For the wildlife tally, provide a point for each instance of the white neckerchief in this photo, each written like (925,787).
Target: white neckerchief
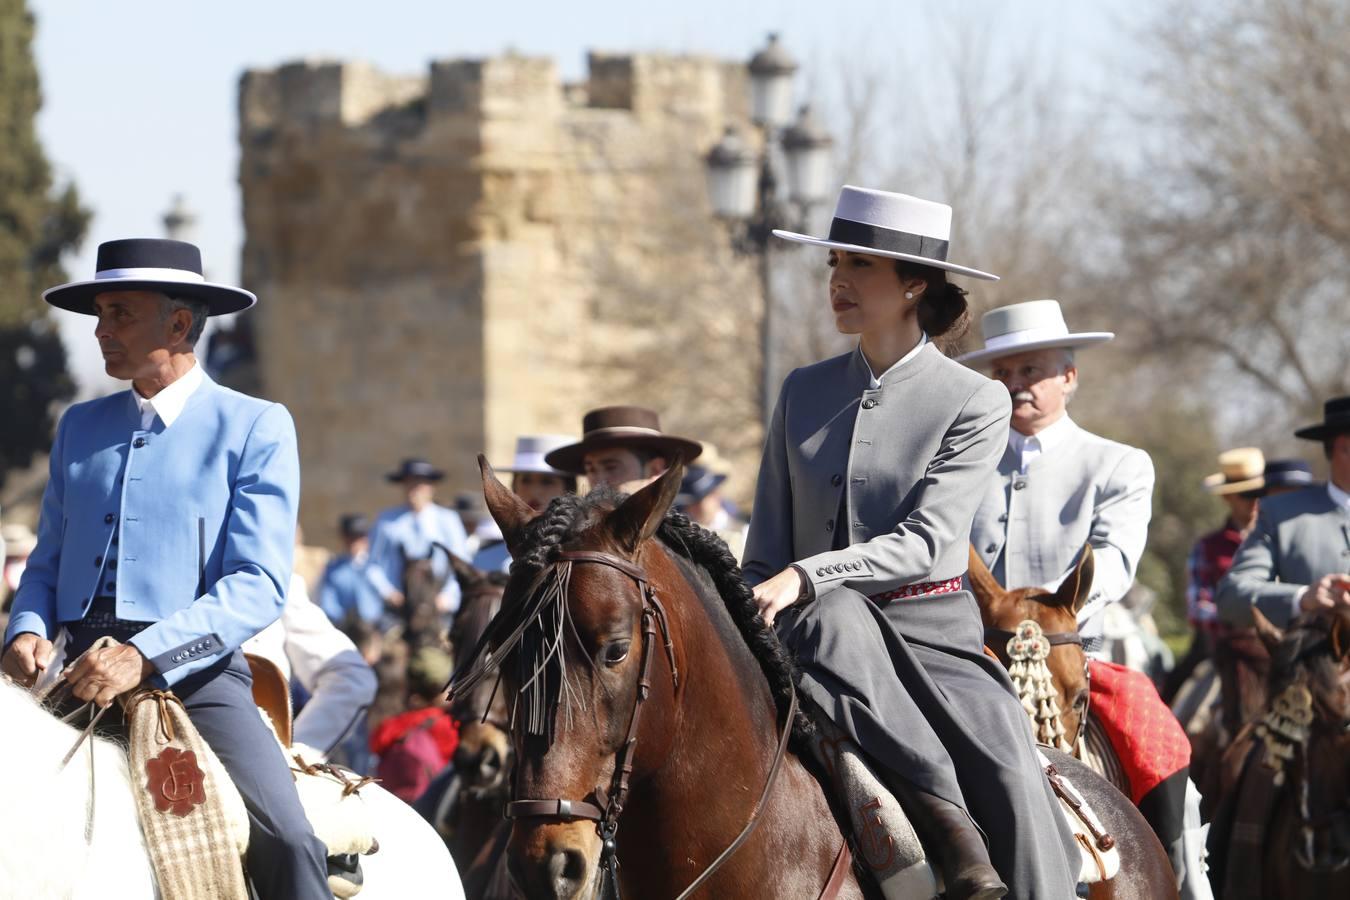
(168,404)
(876,382)
(1030,446)
(1338,496)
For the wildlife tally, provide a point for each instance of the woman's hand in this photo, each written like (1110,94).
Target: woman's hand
(778,593)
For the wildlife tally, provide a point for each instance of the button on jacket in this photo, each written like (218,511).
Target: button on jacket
(194,523)
(1079,489)
(905,463)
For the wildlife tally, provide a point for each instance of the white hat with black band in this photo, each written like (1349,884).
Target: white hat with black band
(881,223)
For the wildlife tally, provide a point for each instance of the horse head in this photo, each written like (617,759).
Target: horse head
(581,652)
(483,755)
(1056,616)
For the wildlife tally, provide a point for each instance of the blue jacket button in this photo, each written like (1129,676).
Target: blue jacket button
(108,519)
(138,443)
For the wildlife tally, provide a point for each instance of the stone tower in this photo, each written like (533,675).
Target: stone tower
(446,261)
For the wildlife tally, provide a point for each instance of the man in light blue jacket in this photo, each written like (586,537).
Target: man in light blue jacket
(168,523)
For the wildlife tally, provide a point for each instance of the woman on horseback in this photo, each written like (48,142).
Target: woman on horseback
(873,466)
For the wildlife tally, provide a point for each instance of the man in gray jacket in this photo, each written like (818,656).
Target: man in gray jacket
(1057,489)
(1297,557)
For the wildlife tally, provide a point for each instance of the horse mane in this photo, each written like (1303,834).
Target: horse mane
(543,541)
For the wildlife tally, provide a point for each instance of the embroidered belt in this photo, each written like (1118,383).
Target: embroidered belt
(922,589)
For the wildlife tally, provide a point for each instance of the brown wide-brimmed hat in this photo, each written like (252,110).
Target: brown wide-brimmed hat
(1335,420)
(635,427)
(1241,471)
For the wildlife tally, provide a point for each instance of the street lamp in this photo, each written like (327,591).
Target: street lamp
(743,184)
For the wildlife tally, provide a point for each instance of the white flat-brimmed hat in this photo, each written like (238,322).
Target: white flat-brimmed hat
(531,450)
(1240,471)
(1033,325)
(895,225)
(149,264)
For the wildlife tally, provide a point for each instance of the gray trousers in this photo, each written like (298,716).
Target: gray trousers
(910,684)
(285,861)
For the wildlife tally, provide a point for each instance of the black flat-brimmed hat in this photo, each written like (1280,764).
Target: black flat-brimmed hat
(882,223)
(415,468)
(149,264)
(621,426)
(1335,420)
(354,525)
(1288,473)
(698,483)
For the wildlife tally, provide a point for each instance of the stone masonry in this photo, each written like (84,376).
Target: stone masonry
(425,252)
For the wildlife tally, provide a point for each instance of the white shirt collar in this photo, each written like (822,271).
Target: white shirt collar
(1338,496)
(876,382)
(168,404)
(1044,440)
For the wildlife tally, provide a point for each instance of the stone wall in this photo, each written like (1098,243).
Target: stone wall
(432,254)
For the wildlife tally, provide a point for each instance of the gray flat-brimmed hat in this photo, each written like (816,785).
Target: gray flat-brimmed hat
(149,264)
(1022,327)
(898,226)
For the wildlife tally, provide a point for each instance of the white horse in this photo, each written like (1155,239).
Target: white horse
(43,848)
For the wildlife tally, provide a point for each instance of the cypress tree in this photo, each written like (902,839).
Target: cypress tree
(38,224)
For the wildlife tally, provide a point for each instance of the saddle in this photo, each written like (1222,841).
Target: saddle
(188,802)
(889,848)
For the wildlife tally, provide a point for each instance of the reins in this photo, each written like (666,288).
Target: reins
(609,803)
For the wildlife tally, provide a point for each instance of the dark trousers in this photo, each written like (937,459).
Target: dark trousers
(285,860)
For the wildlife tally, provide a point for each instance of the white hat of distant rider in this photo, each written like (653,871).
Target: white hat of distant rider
(531,450)
(1022,327)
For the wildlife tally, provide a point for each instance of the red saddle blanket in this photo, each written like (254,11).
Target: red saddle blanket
(1149,741)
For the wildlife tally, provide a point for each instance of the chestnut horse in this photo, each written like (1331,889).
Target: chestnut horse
(660,728)
(1283,825)
(1145,870)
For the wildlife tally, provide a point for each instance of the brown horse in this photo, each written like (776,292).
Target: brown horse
(664,726)
(1145,869)
(1283,825)
(467,809)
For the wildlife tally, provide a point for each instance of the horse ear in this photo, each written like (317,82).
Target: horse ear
(638,517)
(1270,634)
(1075,589)
(465,572)
(510,512)
(989,594)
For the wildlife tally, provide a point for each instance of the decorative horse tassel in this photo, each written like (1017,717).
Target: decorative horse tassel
(1028,650)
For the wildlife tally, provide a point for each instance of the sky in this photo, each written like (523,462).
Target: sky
(140,95)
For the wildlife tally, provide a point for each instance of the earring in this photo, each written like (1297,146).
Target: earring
(909,295)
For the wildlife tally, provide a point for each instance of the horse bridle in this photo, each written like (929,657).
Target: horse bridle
(999,637)
(608,805)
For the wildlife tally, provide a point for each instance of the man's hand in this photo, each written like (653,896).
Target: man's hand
(394,600)
(1330,592)
(778,593)
(27,657)
(104,674)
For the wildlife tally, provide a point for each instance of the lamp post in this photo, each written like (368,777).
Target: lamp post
(744,184)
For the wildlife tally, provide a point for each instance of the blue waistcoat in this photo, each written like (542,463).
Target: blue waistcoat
(194,525)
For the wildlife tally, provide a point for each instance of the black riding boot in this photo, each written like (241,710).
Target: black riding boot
(961,854)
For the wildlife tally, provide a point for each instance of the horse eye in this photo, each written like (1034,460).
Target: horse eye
(616,652)
(1080,701)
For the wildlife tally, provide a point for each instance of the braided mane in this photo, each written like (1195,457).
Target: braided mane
(524,620)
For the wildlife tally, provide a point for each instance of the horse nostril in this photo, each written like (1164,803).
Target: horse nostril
(566,872)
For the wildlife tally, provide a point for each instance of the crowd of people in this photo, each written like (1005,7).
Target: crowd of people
(169,524)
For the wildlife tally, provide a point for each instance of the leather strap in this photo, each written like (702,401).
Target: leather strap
(843,861)
(998,637)
(554,809)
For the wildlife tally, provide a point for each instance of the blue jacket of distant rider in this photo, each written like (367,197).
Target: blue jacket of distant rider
(192,526)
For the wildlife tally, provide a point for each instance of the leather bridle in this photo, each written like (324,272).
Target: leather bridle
(608,804)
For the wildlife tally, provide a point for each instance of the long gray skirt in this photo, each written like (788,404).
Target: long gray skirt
(910,684)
